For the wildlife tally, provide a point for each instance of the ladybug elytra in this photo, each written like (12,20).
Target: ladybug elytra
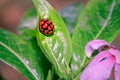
(46,26)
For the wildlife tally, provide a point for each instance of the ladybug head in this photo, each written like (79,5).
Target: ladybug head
(46,26)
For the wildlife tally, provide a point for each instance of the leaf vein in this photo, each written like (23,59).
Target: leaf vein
(16,54)
(107,20)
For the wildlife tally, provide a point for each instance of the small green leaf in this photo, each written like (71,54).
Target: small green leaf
(99,20)
(57,47)
(49,77)
(20,55)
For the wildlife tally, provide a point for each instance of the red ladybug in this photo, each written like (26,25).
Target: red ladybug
(46,26)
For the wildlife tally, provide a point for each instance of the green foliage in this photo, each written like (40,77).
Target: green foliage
(98,20)
(40,57)
(20,55)
(57,47)
(30,37)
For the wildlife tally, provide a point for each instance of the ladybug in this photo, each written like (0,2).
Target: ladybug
(46,26)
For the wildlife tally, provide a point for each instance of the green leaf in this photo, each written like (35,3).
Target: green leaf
(49,77)
(99,20)
(29,35)
(57,47)
(30,18)
(70,15)
(20,55)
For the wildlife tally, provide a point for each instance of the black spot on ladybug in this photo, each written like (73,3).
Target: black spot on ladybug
(46,26)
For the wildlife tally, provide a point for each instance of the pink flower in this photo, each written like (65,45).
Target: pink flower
(106,61)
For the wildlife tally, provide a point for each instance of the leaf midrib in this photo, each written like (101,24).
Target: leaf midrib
(16,54)
(107,20)
(55,58)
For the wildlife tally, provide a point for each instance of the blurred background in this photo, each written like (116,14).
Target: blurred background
(12,11)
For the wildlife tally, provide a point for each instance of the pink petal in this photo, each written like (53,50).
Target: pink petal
(116,53)
(100,57)
(94,45)
(117,72)
(99,71)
